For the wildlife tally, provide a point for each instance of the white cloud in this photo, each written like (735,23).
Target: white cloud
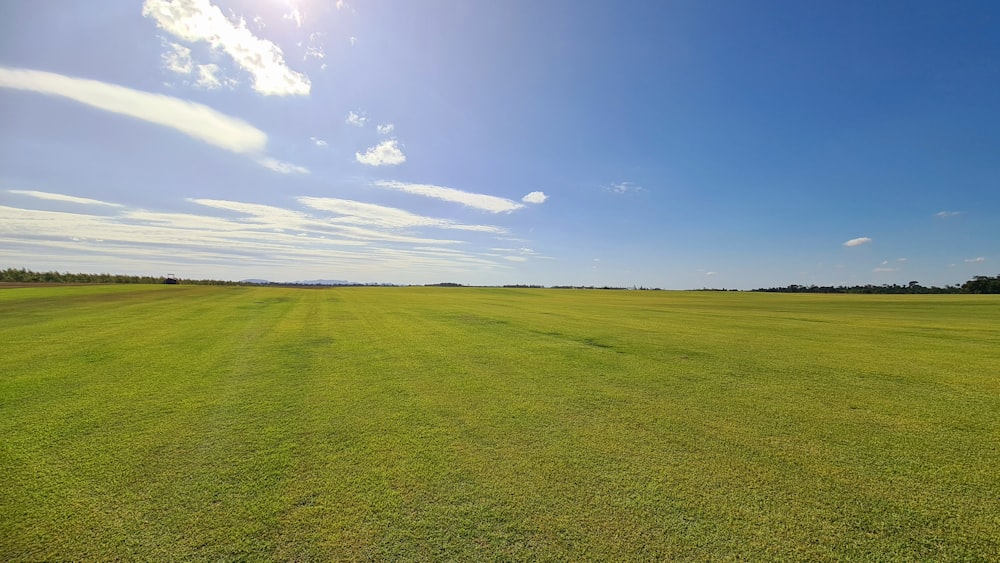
(208,77)
(341,4)
(178,59)
(315,53)
(353,40)
(535,197)
(318,142)
(901,259)
(282,220)
(282,167)
(884,270)
(517,254)
(385,129)
(356,119)
(975,260)
(359,213)
(199,20)
(624,187)
(711,273)
(166,236)
(858,241)
(195,120)
(295,16)
(386,153)
(485,202)
(61,197)
(947,214)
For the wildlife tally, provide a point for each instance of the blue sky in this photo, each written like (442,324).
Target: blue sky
(665,144)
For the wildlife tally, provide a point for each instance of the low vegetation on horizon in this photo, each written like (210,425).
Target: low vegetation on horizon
(158,422)
(978,284)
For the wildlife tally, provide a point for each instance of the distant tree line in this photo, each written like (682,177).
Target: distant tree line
(978,284)
(15,275)
(982,284)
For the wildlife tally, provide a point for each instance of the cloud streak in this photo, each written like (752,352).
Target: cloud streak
(226,237)
(63,198)
(624,187)
(359,213)
(483,202)
(192,119)
(857,241)
(282,167)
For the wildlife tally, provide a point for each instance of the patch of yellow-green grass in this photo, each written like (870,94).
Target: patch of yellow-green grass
(186,423)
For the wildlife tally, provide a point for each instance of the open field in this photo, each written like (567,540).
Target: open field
(193,423)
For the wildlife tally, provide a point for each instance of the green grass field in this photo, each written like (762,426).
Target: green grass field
(208,423)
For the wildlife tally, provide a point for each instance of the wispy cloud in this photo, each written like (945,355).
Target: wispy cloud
(286,220)
(947,214)
(209,77)
(484,202)
(63,198)
(858,241)
(263,237)
(192,119)
(318,142)
(360,213)
(884,270)
(356,119)
(386,153)
(195,120)
(314,53)
(294,16)
(535,197)
(624,187)
(177,58)
(386,128)
(977,260)
(199,20)
(517,254)
(282,167)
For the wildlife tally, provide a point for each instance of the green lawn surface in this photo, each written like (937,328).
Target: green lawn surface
(239,423)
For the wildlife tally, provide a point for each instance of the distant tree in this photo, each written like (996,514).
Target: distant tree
(982,284)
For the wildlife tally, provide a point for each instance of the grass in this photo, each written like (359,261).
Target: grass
(208,423)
